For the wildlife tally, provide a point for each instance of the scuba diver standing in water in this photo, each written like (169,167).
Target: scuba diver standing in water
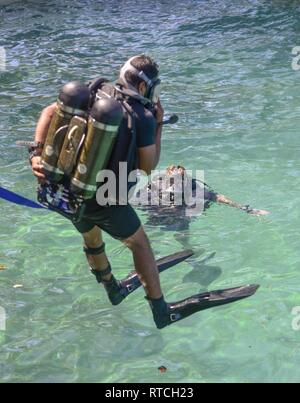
(93,128)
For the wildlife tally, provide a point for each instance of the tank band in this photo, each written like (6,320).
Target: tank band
(83,186)
(49,168)
(71,111)
(104,127)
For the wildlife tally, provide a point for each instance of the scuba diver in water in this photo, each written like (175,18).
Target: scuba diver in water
(92,128)
(172,216)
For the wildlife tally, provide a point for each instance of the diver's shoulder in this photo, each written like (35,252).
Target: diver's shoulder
(142,112)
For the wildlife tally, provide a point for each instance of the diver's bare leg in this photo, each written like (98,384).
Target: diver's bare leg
(98,262)
(145,264)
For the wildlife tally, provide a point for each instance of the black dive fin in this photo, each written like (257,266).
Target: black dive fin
(167,313)
(172,260)
(132,281)
(118,290)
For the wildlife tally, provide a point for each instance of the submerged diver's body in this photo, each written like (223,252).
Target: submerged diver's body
(177,217)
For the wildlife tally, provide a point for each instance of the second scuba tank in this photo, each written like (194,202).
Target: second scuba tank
(72,144)
(73,100)
(104,121)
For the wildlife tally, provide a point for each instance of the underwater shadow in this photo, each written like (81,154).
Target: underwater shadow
(202,273)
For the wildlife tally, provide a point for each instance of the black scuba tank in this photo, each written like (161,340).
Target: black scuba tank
(73,100)
(103,125)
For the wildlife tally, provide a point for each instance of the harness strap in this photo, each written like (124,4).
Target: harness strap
(94,251)
(99,274)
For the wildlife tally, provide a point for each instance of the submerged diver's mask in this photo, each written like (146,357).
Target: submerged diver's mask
(153,85)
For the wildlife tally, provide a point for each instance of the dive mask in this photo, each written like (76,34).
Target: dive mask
(153,85)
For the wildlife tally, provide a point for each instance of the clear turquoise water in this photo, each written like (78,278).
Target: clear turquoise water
(226,67)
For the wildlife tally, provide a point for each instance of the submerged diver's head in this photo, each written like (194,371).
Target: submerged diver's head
(176,171)
(141,74)
(172,183)
(173,170)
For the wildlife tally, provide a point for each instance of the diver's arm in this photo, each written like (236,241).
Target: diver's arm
(40,136)
(219,198)
(44,123)
(149,156)
(159,119)
(157,145)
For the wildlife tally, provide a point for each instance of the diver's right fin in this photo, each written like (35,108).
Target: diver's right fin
(211,299)
(165,314)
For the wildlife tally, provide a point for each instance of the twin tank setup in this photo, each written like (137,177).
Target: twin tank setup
(80,140)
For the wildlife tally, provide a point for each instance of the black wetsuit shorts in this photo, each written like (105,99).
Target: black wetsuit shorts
(120,222)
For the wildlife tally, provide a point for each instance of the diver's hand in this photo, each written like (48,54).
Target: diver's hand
(37,169)
(257,212)
(159,112)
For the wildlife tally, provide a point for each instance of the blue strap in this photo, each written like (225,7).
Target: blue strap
(17,199)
